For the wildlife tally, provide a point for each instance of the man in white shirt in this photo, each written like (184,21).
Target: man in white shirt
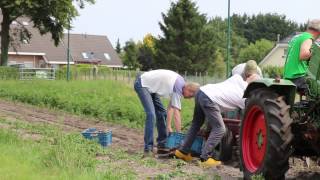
(210,101)
(152,85)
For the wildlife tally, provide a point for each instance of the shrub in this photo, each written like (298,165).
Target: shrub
(272,71)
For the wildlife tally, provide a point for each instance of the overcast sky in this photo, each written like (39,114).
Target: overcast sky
(132,19)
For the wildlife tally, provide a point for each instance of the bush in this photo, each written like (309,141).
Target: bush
(272,71)
(79,70)
(9,73)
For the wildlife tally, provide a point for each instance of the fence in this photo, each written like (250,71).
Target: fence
(125,76)
(37,73)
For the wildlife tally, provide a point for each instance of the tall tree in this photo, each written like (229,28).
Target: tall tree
(146,52)
(118,47)
(184,45)
(47,15)
(130,56)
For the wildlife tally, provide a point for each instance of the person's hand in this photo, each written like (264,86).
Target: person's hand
(252,77)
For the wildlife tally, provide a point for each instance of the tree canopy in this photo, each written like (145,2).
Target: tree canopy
(47,15)
(185,44)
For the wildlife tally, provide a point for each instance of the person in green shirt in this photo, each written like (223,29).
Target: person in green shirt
(299,53)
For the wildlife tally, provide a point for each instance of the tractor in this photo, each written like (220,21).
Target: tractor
(279,123)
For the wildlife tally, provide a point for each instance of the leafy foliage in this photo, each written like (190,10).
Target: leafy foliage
(266,26)
(256,51)
(48,16)
(130,57)
(118,47)
(106,100)
(272,71)
(146,53)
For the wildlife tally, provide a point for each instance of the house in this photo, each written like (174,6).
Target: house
(277,56)
(40,51)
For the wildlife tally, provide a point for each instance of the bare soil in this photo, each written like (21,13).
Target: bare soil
(131,140)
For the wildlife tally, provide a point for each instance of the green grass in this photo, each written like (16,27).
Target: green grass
(61,155)
(55,156)
(103,99)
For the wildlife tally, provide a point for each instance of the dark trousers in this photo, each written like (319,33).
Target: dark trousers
(154,111)
(205,109)
(302,86)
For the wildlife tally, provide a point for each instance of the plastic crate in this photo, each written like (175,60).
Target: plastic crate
(175,139)
(103,137)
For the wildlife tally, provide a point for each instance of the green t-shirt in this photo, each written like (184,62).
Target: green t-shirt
(294,66)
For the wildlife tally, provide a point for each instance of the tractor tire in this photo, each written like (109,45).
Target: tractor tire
(223,152)
(265,136)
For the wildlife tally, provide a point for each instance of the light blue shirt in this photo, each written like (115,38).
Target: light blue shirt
(177,92)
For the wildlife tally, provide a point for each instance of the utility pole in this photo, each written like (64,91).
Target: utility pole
(228,42)
(68,54)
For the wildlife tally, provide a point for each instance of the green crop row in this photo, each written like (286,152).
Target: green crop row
(102,99)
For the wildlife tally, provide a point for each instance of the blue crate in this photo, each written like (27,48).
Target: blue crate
(89,133)
(105,138)
(175,139)
(102,137)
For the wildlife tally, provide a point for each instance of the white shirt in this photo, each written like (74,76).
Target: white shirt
(227,94)
(239,69)
(159,81)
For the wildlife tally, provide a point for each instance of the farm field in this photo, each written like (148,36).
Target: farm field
(54,148)
(41,121)
(105,100)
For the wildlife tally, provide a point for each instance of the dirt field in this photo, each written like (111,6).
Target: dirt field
(131,140)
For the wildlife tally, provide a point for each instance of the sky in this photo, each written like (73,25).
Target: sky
(133,19)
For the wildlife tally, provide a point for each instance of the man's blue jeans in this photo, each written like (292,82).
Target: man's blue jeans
(154,110)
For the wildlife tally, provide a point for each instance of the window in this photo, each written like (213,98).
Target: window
(25,41)
(107,56)
(88,55)
(85,55)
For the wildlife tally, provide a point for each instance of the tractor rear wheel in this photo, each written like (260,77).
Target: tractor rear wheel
(265,137)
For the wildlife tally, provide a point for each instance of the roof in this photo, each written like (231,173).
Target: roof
(99,46)
(288,38)
(282,43)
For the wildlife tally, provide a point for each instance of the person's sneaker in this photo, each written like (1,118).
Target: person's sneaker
(181,155)
(147,154)
(209,163)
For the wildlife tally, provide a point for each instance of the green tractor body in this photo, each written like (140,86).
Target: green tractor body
(277,124)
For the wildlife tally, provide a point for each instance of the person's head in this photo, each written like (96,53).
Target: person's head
(250,68)
(314,27)
(190,89)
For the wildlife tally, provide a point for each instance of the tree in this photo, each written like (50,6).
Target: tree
(218,34)
(185,44)
(266,26)
(256,51)
(219,66)
(47,15)
(146,53)
(130,57)
(118,47)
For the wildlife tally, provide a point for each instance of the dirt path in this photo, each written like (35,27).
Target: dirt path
(130,140)
(122,136)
